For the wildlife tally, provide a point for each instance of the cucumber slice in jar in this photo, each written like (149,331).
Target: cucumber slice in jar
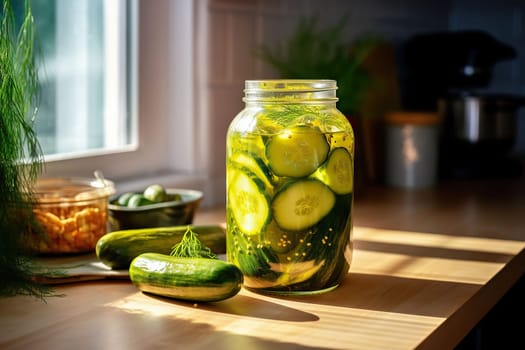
(248,201)
(297,152)
(280,241)
(302,204)
(342,139)
(254,164)
(337,173)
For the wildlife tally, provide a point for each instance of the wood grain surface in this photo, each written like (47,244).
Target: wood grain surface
(427,266)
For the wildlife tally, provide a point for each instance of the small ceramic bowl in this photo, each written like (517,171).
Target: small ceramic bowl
(171,213)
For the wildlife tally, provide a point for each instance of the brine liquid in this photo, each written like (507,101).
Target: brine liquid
(308,260)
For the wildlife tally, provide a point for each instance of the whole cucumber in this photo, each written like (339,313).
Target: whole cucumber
(118,248)
(191,279)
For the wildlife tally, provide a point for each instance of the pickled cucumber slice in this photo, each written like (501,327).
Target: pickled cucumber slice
(338,173)
(255,165)
(342,139)
(302,204)
(297,152)
(280,241)
(248,201)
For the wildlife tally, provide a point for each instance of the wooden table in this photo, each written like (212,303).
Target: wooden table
(427,267)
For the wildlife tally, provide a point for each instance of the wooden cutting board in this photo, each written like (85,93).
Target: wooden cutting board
(59,269)
(75,268)
(78,268)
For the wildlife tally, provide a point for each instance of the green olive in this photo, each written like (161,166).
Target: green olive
(155,193)
(138,200)
(123,199)
(173,197)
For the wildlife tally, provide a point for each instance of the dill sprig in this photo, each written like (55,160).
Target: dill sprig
(21,158)
(282,115)
(191,247)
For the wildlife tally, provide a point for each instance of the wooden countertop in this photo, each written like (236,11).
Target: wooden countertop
(427,266)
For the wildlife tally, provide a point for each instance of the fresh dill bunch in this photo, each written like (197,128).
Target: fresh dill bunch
(21,157)
(190,246)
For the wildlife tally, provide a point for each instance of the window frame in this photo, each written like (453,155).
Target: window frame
(162,48)
(62,134)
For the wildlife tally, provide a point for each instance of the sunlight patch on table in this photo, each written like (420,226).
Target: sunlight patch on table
(352,327)
(479,244)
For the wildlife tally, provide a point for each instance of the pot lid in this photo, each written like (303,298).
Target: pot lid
(488,97)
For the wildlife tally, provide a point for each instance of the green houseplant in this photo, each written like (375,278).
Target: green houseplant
(322,53)
(21,159)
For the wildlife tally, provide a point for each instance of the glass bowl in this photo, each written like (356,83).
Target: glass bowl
(72,214)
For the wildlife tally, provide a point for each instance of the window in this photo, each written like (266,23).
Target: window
(84,104)
(153,66)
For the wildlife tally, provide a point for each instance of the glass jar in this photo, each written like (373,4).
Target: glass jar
(289,174)
(411,149)
(71,214)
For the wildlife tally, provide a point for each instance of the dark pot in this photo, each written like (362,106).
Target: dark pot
(479,119)
(478,132)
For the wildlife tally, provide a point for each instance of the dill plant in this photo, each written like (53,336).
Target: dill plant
(312,52)
(21,158)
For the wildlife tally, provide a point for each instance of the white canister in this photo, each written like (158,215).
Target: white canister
(412,141)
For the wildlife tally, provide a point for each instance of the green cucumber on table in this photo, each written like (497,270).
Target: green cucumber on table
(117,249)
(190,279)
(190,272)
